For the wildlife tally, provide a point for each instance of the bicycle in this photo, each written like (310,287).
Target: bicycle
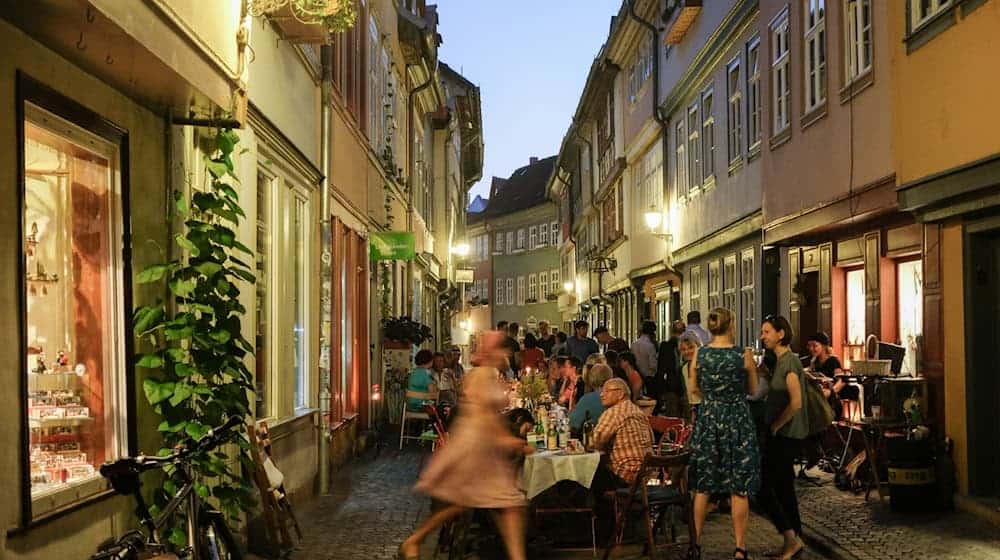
(208,535)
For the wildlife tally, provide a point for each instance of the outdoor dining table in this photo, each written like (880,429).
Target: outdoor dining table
(542,470)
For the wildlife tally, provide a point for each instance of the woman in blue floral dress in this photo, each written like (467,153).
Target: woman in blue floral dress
(725,458)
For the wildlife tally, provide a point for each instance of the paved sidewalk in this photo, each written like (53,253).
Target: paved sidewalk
(854,529)
(372,509)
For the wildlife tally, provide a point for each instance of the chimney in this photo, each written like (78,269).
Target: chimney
(532,160)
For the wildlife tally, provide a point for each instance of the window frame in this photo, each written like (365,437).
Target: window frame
(520,290)
(748,299)
(680,159)
(694,290)
(780,59)
(714,284)
(734,112)
(498,244)
(510,242)
(543,234)
(814,70)
(917,23)
(855,42)
(555,234)
(554,280)
(708,146)
(533,286)
(510,291)
(87,125)
(498,298)
(754,105)
(543,284)
(694,154)
(532,237)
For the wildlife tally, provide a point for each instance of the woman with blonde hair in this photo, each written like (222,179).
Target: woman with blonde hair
(474,469)
(725,458)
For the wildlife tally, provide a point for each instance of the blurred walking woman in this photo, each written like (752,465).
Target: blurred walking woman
(474,469)
(787,427)
(724,454)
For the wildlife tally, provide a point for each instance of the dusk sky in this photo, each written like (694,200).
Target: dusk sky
(530,59)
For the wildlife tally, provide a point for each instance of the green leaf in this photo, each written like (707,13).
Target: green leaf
(183,370)
(229,191)
(226,140)
(147,318)
(216,168)
(249,277)
(182,392)
(224,236)
(150,361)
(221,336)
(170,486)
(243,248)
(177,354)
(208,268)
(181,204)
(182,288)
(187,245)
(152,273)
(227,215)
(203,390)
(178,333)
(166,426)
(195,429)
(157,391)
(222,285)
(202,307)
(202,490)
(178,537)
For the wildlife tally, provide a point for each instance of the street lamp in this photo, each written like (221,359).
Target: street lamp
(654,221)
(461,249)
(568,286)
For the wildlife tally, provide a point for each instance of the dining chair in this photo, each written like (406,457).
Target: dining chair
(674,432)
(652,500)
(408,414)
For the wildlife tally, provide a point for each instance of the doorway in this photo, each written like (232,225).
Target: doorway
(808,310)
(982,304)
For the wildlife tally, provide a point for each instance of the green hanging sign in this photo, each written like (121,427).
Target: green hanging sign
(392,246)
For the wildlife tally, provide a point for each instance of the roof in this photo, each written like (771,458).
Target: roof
(477,205)
(523,189)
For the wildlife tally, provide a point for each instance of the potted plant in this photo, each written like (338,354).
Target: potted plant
(404,331)
(552,296)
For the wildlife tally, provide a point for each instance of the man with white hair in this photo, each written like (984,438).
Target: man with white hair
(623,432)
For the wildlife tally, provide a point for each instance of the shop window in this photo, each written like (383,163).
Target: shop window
(75,290)
(856,306)
(910,290)
(262,338)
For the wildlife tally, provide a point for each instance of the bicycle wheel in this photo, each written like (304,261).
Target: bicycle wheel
(215,538)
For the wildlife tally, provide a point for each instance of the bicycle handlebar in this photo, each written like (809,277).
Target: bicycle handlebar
(142,463)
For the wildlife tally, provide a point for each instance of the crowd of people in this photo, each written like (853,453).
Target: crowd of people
(746,408)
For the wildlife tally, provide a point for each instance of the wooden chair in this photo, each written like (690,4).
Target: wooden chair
(408,414)
(674,433)
(277,510)
(652,501)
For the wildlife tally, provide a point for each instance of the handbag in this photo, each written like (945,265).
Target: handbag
(819,415)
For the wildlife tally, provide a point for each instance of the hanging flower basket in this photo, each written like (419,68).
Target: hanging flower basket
(405,330)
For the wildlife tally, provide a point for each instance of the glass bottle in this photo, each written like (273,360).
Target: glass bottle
(588,430)
(553,441)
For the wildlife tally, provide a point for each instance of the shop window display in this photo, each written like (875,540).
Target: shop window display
(73,302)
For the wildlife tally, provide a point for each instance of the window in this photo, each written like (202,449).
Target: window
(543,284)
(498,244)
(693,149)
(815,53)
(649,179)
(747,299)
(910,290)
(695,290)
(612,225)
(780,63)
(543,234)
(729,285)
(753,92)
(510,242)
(641,70)
(510,292)
(499,294)
(532,237)
(680,162)
(713,285)
(554,281)
(707,135)
(75,323)
(856,306)
(262,338)
(555,232)
(300,304)
(520,290)
(533,287)
(520,238)
(858,27)
(922,11)
(735,113)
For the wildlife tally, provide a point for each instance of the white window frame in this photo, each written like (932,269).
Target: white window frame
(498,245)
(734,80)
(935,7)
(694,292)
(708,135)
(814,53)
(555,233)
(543,234)
(781,89)
(693,149)
(520,238)
(533,286)
(858,39)
(748,275)
(532,237)
(510,242)
(510,291)
(680,159)
(498,299)
(543,284)
(520,290)
(554,280)
(753,93)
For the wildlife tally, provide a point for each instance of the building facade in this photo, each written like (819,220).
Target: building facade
(948,170)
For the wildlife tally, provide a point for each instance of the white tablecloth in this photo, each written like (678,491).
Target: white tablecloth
(545,468)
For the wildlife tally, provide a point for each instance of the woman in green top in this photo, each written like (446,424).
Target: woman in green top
(788,426)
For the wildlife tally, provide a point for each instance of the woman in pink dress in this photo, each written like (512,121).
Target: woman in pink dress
(473,469)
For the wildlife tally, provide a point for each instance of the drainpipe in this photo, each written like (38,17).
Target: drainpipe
(412,165)
(326,236)
(656,106)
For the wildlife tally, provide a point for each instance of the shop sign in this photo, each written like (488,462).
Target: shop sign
(392,246)
(464,275)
